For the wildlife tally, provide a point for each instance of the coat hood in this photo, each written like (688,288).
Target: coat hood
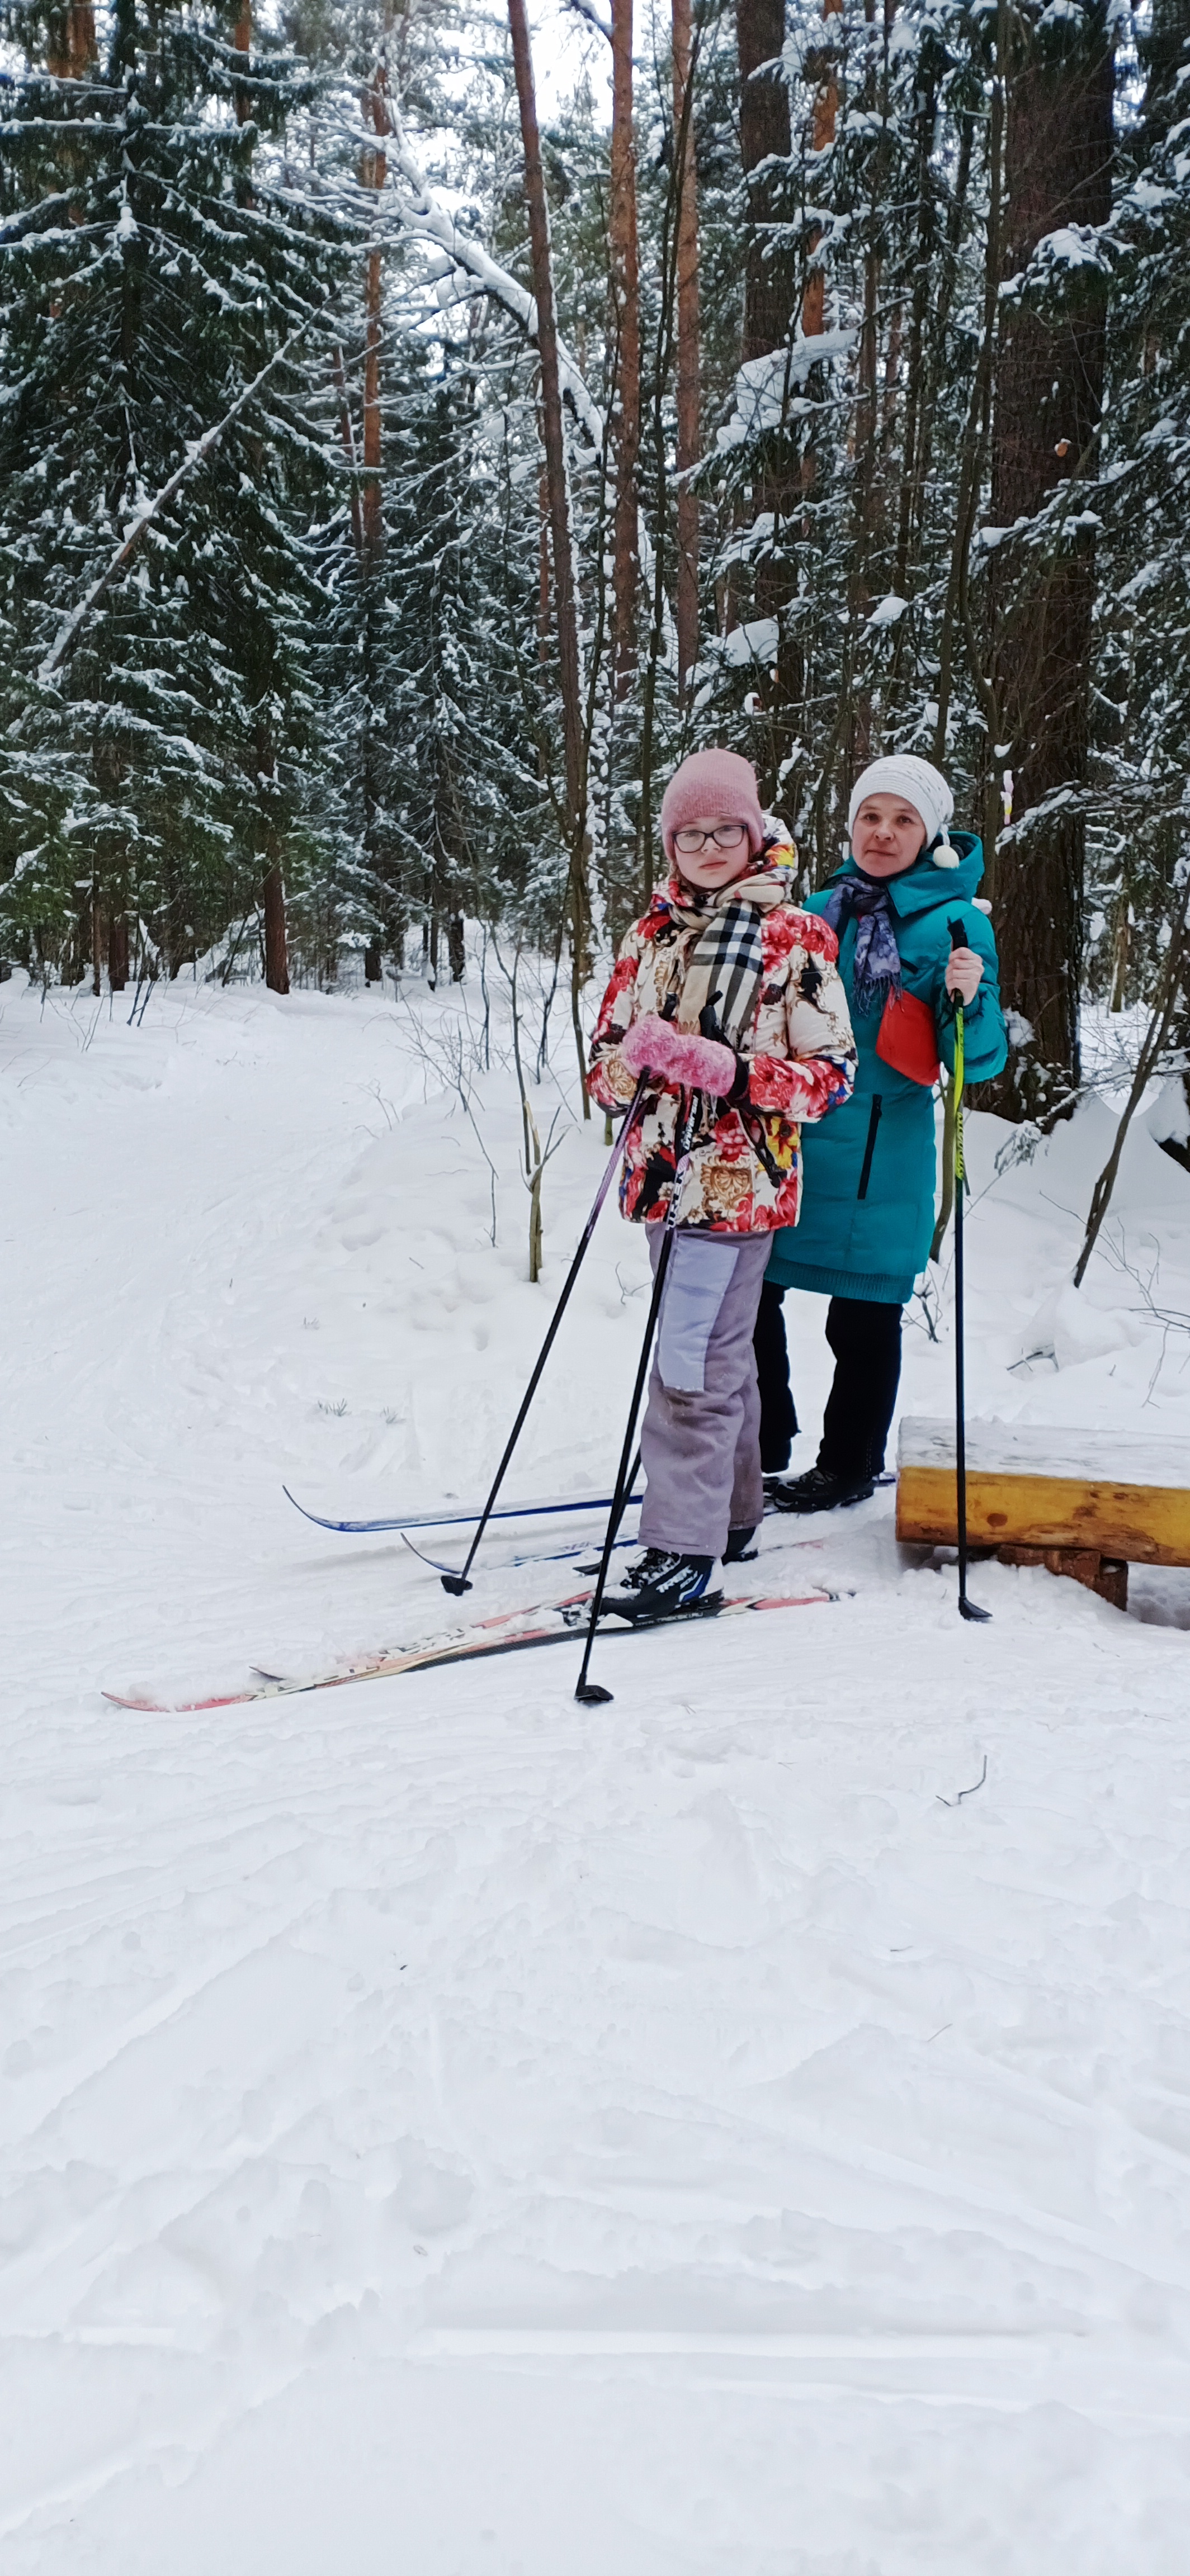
(923,886)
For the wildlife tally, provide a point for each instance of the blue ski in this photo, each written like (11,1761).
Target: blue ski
(456,1520)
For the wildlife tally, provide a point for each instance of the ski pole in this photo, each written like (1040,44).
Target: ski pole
(967,1609)
(591,1693)
(460,1582)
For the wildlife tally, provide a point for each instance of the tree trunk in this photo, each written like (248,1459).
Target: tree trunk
(687,445)
(764,131)
(821,66)
(456,946)
(917,406)
(869,460)
(71,47)
(769,301)
(625,419)
(1048,399)
(272,892)
(373,971)
(373,172)
(117,952)
(276,952)
(242,40)
(565,605)
(825,118)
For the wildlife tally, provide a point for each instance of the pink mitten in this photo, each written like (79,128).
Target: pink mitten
(643,1048)
(654,1045)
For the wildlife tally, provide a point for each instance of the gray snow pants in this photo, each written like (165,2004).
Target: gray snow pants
(701,1438)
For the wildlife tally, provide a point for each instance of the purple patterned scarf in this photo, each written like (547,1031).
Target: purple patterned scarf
(877,969)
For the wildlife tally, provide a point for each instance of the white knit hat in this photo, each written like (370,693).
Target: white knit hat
(922,786)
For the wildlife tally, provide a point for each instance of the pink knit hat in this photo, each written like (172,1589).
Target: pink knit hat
(712,783)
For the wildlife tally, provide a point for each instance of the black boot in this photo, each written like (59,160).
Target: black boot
(739,1549)
(663,1585)
(820,1491)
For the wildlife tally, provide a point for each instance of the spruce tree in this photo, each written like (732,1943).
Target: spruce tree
(430,651)
(154,261)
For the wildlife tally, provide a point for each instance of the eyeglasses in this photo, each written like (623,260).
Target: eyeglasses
(726,836)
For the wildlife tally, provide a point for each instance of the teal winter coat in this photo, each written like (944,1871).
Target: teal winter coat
(867,1214)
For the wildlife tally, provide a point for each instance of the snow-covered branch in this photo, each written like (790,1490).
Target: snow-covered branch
(587,10)
(425,218)
(197,452)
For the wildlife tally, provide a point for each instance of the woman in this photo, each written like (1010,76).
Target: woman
(727,998)
(869,1181)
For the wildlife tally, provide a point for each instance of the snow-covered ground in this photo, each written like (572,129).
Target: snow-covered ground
(451,2131)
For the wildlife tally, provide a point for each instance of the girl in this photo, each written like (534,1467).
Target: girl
(869,1173)
(729,1000)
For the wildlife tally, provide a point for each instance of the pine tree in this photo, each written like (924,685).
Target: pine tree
(154,261)
(1142,749)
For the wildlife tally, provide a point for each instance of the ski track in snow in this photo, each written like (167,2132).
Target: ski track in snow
(451,2130)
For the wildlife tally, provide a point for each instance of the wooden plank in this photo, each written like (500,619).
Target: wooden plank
(1016,1448)
(1146,1524)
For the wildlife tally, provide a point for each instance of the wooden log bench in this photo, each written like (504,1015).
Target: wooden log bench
(1084,1503)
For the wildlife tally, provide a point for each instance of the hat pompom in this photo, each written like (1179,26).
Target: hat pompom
(945,855)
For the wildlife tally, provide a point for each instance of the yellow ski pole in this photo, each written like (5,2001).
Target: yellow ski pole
(967,1609)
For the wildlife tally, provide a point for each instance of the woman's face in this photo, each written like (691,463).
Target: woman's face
(886,836)
(708,862)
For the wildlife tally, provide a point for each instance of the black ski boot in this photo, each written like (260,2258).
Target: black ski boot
(739,1549)
(663,1585)
(820,1491)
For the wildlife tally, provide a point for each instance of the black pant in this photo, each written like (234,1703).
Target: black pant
(866,1341)
(778,1421)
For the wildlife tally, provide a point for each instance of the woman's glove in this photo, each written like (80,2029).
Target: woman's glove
(653,1045)
(964,973)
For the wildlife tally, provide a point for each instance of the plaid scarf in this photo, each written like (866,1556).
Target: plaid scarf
(877,968)
(721,960)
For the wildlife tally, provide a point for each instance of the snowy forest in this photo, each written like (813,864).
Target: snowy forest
(396,478)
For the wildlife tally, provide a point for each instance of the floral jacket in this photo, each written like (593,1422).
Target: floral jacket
(743,1173)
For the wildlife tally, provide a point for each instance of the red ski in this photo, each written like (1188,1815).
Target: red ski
(548,1624)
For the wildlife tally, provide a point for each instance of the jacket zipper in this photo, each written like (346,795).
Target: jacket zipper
(870,1147)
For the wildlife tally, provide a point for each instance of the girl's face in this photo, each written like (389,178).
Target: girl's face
(709,862)
(886,836)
